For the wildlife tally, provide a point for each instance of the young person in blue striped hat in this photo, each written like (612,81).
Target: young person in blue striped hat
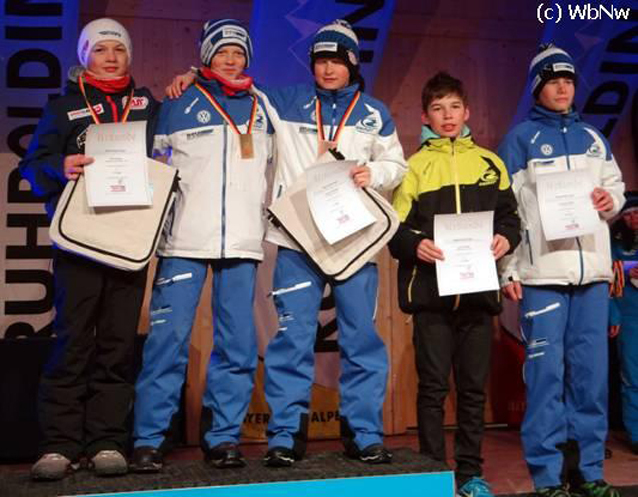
(562,284)
(218,136)
(332,112)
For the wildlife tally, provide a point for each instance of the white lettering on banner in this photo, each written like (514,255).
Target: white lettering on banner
(31,37)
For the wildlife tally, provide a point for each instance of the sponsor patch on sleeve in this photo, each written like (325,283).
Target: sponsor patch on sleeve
(80,113)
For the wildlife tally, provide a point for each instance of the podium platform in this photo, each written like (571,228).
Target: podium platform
(328,474)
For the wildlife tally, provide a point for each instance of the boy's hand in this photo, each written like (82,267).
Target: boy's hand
(500,246)
(179,84)
(74,165)
(428,252)
(602,200)
(614,330)
(361,176)
(513,291)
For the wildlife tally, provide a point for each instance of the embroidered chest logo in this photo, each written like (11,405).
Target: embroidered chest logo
(547,149)
(489,177)
(203,116)
(370,123)
(80,113)
(138,103)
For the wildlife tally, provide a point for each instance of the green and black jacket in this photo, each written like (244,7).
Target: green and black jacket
(445,177)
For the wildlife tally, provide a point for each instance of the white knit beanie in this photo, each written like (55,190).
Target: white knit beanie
(100,30)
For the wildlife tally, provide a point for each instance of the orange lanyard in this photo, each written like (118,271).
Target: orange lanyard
(225,115)
(320,134)
(125,114)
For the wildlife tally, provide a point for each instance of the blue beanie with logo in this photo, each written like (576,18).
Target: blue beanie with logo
(219,32)
(551,62)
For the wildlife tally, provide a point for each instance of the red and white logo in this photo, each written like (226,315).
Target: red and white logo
(138,103)
(80,113)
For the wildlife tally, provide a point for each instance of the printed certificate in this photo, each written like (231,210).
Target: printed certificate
(334,201)
(119,175)
(465,240)
(565,204)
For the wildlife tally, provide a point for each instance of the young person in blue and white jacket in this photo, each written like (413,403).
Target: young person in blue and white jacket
(219,137)
(623,310)
(308,119)
(562,285)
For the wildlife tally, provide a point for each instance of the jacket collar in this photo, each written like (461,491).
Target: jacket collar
(215,88)
(435,142)
(551,118)
(345,93)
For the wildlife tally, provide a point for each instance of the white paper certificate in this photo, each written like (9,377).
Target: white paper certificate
(565,205)
(334,200)
(119,175)
(469,264)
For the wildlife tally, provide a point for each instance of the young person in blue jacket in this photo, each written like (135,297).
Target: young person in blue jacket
(308,119)
(562,285)
(218,136)
(623,310)
(85,392)
(333,112)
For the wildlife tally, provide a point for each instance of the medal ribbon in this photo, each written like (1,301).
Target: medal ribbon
(94,115)
(320,134)
(225,115)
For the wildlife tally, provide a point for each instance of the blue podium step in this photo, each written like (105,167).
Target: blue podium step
(408,485)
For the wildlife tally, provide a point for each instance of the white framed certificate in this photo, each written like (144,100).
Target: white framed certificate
(466,241)
(119,174)
(565,205)
(334,201)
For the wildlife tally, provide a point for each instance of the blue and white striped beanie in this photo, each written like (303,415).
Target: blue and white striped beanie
(220,32)
(550,62)
(336,39)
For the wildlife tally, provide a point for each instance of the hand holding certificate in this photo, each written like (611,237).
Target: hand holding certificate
(466,243)
(118,175)
(334,200)
(565,204)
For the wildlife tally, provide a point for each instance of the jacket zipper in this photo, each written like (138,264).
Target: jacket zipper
(457,192)
(116,118)
(223,248)
(334,115)
(580,248)
(529,248)
(413,276)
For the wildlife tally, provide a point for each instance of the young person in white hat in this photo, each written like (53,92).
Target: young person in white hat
(85,392)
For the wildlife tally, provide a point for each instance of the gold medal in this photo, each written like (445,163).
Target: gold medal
(246,148)
(246,145)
